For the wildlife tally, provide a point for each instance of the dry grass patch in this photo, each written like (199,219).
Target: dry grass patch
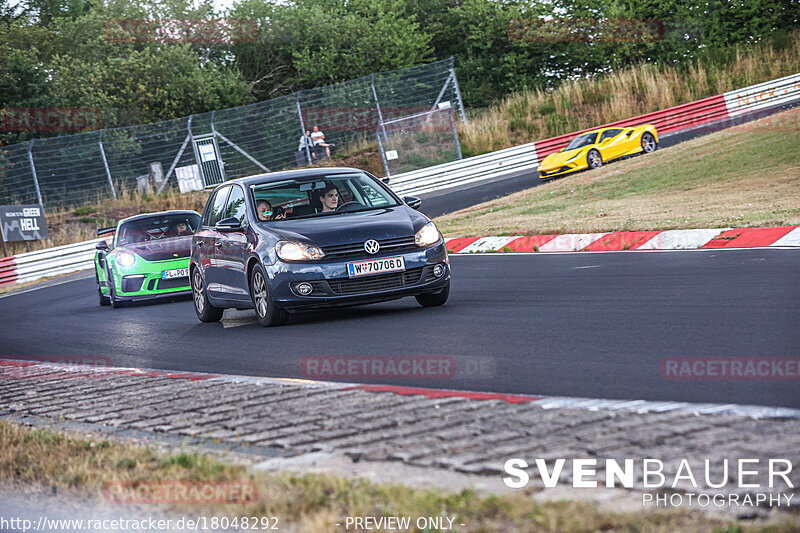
(744,176)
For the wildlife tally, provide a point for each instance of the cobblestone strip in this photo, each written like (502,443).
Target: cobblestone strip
(451,433)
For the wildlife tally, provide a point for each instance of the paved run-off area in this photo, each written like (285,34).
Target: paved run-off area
(281,422)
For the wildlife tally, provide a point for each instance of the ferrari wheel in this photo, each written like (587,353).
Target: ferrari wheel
(266,311)
(593,159)
(649,143)
(205,311)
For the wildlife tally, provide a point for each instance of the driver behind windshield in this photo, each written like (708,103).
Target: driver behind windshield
(329,198)
(181,229)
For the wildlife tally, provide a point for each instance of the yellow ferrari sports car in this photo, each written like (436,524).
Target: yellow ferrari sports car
(593,148)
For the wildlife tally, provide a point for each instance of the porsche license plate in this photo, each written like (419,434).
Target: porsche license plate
(376,266)
(176,273)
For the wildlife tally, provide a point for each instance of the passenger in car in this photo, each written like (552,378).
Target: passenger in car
(265,211)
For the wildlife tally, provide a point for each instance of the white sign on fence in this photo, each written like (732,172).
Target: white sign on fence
(189,178)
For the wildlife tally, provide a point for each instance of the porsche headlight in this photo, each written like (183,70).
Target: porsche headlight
(298,251)
(125,259)
(427,235)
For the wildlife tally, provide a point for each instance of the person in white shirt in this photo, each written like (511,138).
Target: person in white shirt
(319,140)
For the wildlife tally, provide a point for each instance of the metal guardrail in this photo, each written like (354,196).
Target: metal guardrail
(31,266)
(464,171)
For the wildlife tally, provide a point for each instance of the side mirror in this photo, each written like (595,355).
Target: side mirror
(412,201)
(385,180)
(228,223)
(102,246)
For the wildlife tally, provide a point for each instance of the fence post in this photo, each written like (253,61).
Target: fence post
(458,92)
(455,133)
(105,164)
(302,126)
(35,177)
(377,105)
(383,155)
(178,157)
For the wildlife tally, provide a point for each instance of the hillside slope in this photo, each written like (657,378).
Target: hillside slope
(744,176)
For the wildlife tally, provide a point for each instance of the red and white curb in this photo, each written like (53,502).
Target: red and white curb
(545,402)
(690,239)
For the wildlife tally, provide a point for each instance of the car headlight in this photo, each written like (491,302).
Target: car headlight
(427,235)
(298,251)
(573,157)
(125,259)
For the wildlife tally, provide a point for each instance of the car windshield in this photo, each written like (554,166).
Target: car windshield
(582,140)
(157,227)
(319,196)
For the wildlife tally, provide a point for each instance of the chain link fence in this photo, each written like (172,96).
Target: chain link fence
(204,149)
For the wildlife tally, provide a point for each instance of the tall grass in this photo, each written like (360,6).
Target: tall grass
(537,114)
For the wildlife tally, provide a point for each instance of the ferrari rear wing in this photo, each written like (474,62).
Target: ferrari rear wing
(104,231)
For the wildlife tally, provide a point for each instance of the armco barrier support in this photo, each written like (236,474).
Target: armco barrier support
(724,110)
(44,263)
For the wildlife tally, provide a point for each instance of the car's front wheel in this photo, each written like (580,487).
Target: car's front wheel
(593,159)
(267,312)
(104,300)
(432,300)
(205,311)
(649,143)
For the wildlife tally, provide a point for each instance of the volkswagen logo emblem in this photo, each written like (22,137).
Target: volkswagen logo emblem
(372,246)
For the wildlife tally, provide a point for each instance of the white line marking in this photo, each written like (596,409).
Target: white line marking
(44,285)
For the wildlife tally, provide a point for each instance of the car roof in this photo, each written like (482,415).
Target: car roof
(160,214)
(289,174)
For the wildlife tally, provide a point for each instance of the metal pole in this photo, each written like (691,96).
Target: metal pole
(455,133)
(177,157)
(33,170)
(377,105)
(458,92)
(302,126)
(105,164)
(441,93)
(383,155)
(3,238)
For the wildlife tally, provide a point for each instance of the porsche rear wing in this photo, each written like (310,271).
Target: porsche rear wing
(105,231)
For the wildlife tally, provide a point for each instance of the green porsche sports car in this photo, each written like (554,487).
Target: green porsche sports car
(145,256)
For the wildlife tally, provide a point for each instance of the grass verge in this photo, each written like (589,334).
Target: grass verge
(49,461)
(743,176)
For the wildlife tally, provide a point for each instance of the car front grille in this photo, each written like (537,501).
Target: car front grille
(378,282)
(357,248)
(173,283)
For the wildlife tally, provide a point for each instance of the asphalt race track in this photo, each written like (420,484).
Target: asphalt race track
(593,325)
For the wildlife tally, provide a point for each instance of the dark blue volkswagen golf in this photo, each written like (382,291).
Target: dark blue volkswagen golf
(308,239)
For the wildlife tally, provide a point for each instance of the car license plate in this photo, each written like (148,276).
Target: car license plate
(176,273)
(376,266)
